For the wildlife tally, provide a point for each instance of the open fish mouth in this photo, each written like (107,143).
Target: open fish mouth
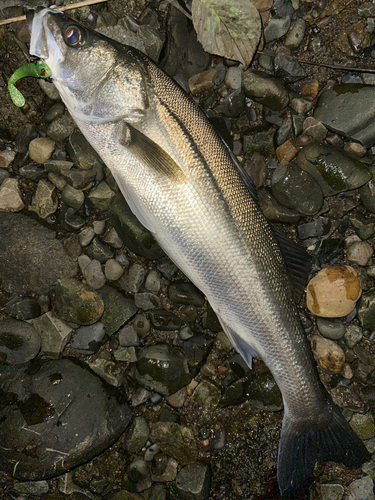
(43,43)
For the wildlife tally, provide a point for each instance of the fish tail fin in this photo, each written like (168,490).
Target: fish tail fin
(303,444)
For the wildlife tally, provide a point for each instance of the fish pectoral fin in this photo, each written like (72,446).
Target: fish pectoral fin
(243,348)
(149,152)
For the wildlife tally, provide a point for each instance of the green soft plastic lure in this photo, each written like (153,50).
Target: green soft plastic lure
(38,69)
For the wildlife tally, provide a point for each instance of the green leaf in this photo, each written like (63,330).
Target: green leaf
(228,28)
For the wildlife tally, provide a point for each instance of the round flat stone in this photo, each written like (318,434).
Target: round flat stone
(19,342)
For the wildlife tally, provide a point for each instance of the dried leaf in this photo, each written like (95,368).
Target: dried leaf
(228,28)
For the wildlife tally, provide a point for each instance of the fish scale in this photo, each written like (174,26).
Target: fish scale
(184,185)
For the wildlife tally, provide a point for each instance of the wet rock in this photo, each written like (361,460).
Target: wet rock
(334,171)
(113,270)
(177,399)
(82,154)
(49,89)
(23,308)
(167,268)
(257,169)
(135,277)
(288,68)
(54,333)
(99,251)
(328,354)
(54,112)
(193,482)
(277,27)
(19,342)
(46,200)
(164,320)
(333,292)
(126,354)
(77,303)
(86,236)
(207,394)
(262,392)
(286,152)
(300,106)
(185,293)
(112,238)
(363,425)
(72,197)
(195,350)
(137,238)
(70,432)
(108,370)
(333,329)
(153,40)
(360,253)
(364,227)
(314,129)
(296,189)
(233,77)
(141,325)
(137,435)
(260,141)
(93,275)
(331,491)
(353,335)
(153,282)
(185,333)
(202,81)
(366,311)
(295,34)
(238,366)
(355,150)
(34,488)
(138,475)
(348,110)
(367,193)
(71,221)
(233,104)
(35,267)
(118,309)
(60,129)
(79,179)
(101,196)
(10,196)
(168,473)
(176,441)
(361,489)
(163,369)
(89,339)
(273,211)
(319,227)
(147,301)
(41,149)
(265,89)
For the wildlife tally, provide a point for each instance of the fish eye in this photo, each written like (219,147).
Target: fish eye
(73,36)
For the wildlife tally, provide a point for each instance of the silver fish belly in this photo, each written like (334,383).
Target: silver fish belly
(181,182)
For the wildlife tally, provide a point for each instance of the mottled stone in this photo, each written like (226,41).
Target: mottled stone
(10,196)
(328,354)
(40,149)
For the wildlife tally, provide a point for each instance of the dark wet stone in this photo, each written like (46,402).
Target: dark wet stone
(333,329)
(31,268)
(54,333)
(156,492)
(329,250)
(333,170)
(99,251)
(128,337)
(207,394)
(195,350)
(101,196)
(130,230)
(319,227)
(60,129)
(211,321)
(367,193)
(118,309)
(164,320)
(288,68)
(79,179)
(70,432)
(273,211)
(163,369)
(239,366)
(233,394)
(349,110)
(233,104)
(23,308)
(71,221)
(82,154)
(138,476)
(167,268)
(193,482)
(260,141)
(363,226)
(185,293)
(34,172)
(72,197)
(88,339)
(54,112)
(77,303)
(265,89)
(141,325)
(26,133)
(19,342)
(176,441)
(277,27)
(296,189)
(34,488)
(137,435)
(147,301)
(366,310)
(262,392)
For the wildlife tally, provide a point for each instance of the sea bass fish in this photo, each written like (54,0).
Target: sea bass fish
(186,187)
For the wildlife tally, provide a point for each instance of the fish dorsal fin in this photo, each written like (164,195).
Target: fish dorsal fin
(149,152)
(298,262)
(242,347)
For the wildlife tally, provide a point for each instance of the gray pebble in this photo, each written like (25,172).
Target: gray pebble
(60,129)
(86,236)
(83,261)
(233,77)
(122,259)
(88,339)
(99,226)
(194,480)
(72,197)
(151,452)
(296,34)
(147,301)
(136,277)
(333,329)
(113,239)
(113,270)
(277,27)
(99,251)
(220,74)
(153,283)
(93,275)
(137,435)
(128,337)
(353,335)
(54,112)
(185,333)
(141,325)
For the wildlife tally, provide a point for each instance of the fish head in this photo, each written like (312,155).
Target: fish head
(92,72)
